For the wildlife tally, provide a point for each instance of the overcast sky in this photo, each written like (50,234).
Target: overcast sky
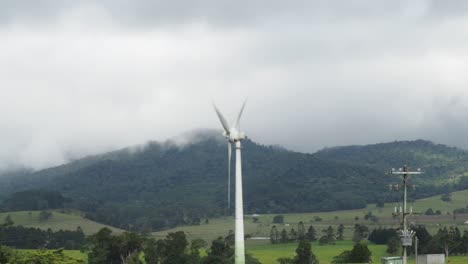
(83,77)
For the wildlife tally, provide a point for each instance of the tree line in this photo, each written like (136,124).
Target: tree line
(448,241)
(35,238)
(105,247)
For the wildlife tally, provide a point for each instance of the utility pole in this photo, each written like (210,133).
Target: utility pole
(406,235)
(416,249)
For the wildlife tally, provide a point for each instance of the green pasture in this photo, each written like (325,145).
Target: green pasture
(58,220)
(220,226)
(268,254)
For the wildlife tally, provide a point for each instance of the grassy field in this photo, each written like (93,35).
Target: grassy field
(220,226)
(262,249)
(268,254)
(64,221)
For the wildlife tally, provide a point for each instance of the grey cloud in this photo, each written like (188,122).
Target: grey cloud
(83,77)
(228,13)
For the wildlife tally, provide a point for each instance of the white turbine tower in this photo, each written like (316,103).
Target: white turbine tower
(234,135)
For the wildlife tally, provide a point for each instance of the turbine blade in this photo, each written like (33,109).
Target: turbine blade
(222,119)
(229,174)
(239,116)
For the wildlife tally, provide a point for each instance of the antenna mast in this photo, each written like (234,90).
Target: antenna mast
(406,235)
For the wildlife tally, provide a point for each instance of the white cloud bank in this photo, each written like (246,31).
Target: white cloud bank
(76,80)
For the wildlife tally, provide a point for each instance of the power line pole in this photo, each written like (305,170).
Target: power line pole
(416,249)
(406,235)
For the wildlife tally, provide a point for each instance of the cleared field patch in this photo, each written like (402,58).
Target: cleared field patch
(261,228)
(56,222)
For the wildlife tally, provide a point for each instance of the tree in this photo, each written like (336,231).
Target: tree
(304,254)
(360,233)
(341,258)
(195,247)
(44,215)
(292,235)
(329,236)
(284,236)
(424,239)
(274,235)
(311,234)
(448,240)
(393,245)
(99,247)
(103,247)
(381,235)
(300,231)
(340,232)
(6,254)
(464,243)
(278,219)
(447,197)
(132,258)
(151,252)
(330,233)
(429,211)
(230,237)
(371,217)
(8,221)
(174,250)
(359,254)
(219,253)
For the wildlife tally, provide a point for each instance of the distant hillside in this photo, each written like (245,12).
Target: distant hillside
(33,199)
(161,185)
(438,161)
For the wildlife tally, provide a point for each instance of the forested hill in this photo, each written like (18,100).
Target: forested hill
(437,161)
(160,185)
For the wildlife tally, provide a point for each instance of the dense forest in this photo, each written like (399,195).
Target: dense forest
(34,199)
(161,185)
(35,238)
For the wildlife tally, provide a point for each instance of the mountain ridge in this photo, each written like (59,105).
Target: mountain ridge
(161,185)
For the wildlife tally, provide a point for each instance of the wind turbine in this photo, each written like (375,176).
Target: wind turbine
(234,136)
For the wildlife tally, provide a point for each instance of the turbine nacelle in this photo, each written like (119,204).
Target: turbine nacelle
(234,135)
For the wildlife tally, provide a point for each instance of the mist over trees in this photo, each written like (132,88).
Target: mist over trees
(163,185)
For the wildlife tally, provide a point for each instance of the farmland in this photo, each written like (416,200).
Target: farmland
(260,227)
(58,221)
